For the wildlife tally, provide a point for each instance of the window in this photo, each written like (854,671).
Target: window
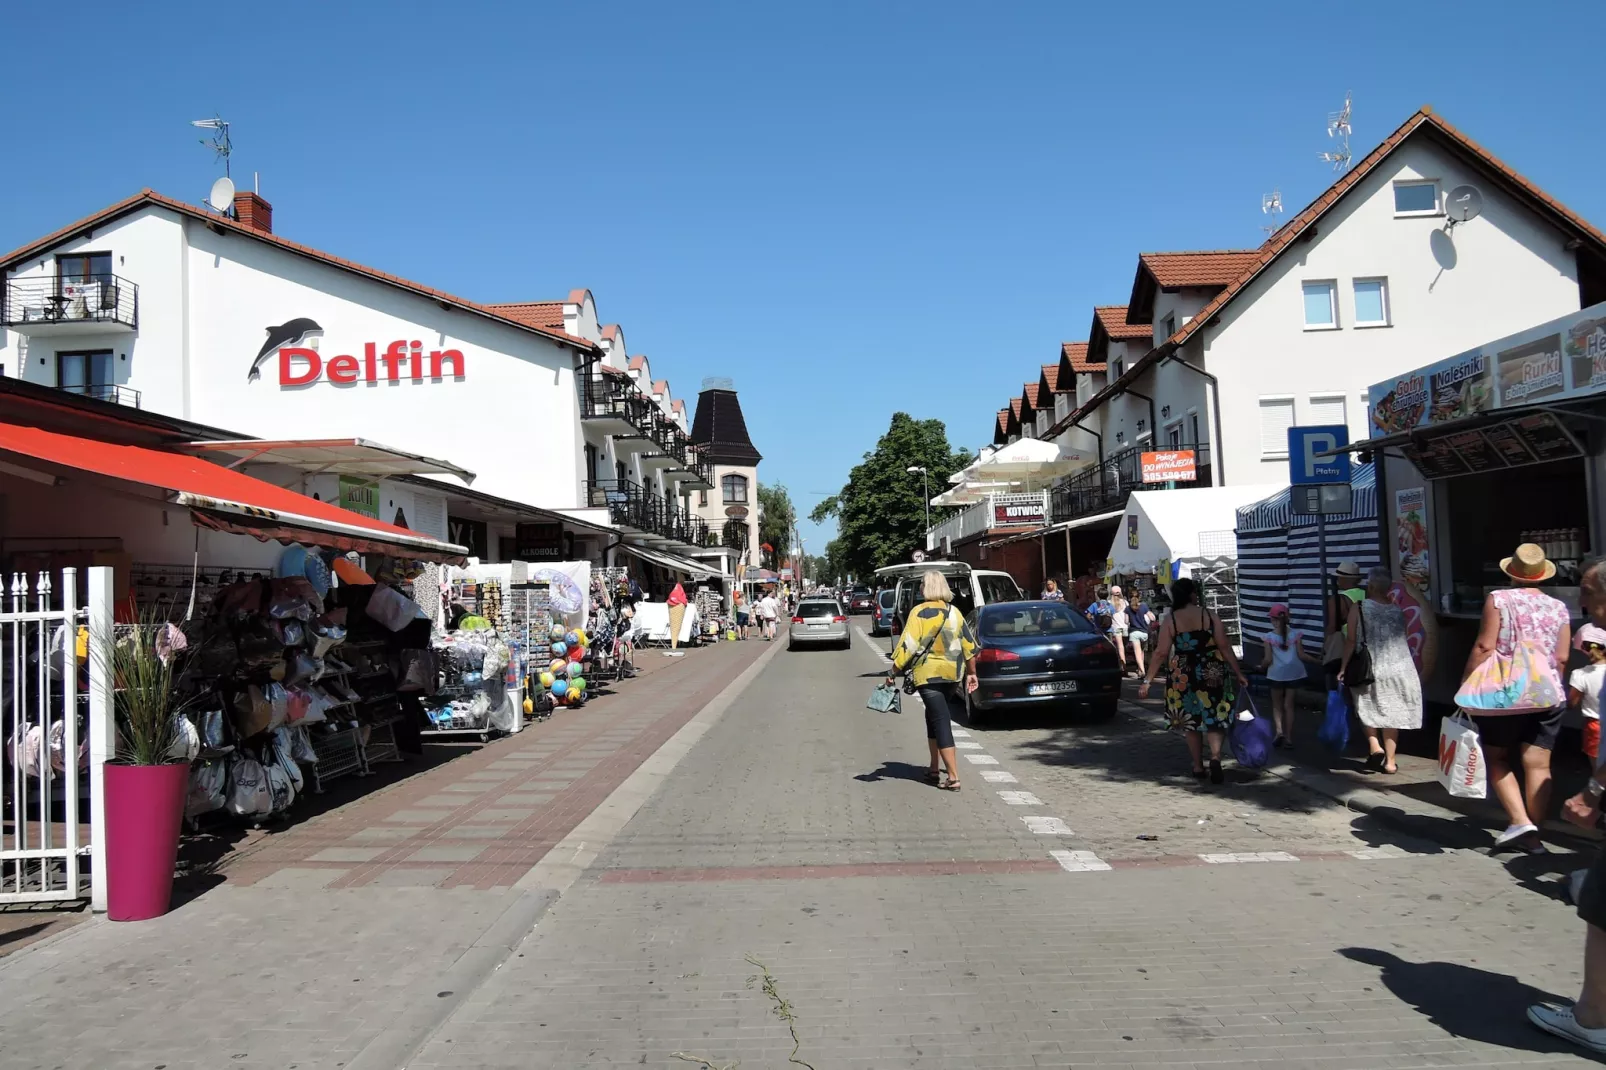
(1193,429)
(88,373)
(1173,435)
(1371,302)
(735,488)
(1327,409)
(1416,198)
(1054,619)
(1321,311)
(997,589)
(1276,417)
(1120,366)
(1169,325)
(83,267)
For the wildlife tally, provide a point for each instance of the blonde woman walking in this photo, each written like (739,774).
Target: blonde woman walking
(939,650)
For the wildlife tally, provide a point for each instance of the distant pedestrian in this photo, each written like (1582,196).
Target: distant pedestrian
(1349,590)
(1285,670)
(1100,611)
(1393,700)
(1142,621)
(937,647)
(1052,592)
(1085,587)
(768,609)
(1120,624)
(1583,687)
(741,613)
(1521,651)
(1199,695)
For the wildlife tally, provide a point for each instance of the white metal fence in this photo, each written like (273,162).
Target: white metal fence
(56,736)
(995,510)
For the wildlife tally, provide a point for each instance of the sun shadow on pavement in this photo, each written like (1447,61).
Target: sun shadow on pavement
(894,771)
(1464,1001)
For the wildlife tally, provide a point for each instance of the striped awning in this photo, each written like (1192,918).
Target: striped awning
(1277,511)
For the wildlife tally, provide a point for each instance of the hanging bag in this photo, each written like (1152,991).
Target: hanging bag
(1461,758)
(1517,681)
(1251,736)
(885,699)
(1359,673)
(1334,732)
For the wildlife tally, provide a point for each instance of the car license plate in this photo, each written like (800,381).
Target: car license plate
(818,626)
(1053,687)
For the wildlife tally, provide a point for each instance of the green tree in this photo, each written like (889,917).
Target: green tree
(881,513)
(775,521)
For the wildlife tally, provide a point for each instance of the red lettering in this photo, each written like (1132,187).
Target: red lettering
(368,356)
(1446,755)
(418,361)
(288,375)
(395,353)
(438,360)
(342,369)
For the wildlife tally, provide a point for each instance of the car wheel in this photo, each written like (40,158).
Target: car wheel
(790,646)
(847,644)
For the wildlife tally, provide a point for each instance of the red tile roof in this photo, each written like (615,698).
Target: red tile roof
(578,297)
(1076,353)
(660,386)
(611,370)
(637,363)
(147,197)
(610,331)
(547,315)
(677,405)
(1214,267)
(1029,392)
(1112,319)
(1051,380)
(1001,427)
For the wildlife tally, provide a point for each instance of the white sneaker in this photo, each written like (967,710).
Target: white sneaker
(1513,832)
(1560,1021)
(1575,884)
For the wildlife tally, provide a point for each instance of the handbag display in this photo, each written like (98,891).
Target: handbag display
(885,699)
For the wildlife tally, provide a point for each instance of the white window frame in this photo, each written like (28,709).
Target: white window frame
(1335,395)
(1332,303)
(1388,310)
(1173,430)
(1275,399)
(1421,213)
(1193,418)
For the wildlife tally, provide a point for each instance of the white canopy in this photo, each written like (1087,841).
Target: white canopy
(1027,458)
(1166,524)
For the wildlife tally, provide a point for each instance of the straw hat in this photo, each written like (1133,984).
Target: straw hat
(1348,570)
(1528,564)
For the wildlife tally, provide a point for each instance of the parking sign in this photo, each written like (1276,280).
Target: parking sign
(1306,446)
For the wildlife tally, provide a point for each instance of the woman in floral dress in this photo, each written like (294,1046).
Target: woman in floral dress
(1201,666)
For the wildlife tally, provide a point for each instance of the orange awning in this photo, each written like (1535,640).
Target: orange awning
(228,500)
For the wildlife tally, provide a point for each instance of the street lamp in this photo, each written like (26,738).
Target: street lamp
(925,487)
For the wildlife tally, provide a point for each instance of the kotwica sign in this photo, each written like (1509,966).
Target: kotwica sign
(1026,511)
(295,343)
(1310,454)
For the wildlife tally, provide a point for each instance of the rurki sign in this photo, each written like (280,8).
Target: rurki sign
(300,363)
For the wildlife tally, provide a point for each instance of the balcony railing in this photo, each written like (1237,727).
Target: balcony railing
(603,395)
(629,504)
(993,511)
(117,395)
(1106,487)
(38,301)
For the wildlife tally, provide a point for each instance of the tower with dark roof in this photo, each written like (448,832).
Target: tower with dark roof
(719,431)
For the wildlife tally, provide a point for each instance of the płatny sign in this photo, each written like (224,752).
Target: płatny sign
(1168,465)
(1026,511)
(1313,455)
(400,360)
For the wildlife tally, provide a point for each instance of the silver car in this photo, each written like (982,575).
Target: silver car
(819,621)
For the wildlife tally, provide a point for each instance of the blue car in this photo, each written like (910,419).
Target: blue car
(1041,655)
(881,611)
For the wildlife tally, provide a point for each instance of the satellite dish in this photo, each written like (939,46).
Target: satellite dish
(1463,204)
(222,196)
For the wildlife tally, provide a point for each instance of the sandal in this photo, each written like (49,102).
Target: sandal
(1376,760)
(934,777)
(952,785)
(1199,774)
(1216,775)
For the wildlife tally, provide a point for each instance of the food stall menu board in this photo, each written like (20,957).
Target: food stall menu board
(1435,459)
(1475,451)
(1545,436)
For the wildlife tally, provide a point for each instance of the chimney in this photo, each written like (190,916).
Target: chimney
(252,211)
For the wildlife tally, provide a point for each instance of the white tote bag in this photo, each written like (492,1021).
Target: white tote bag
(1461,758)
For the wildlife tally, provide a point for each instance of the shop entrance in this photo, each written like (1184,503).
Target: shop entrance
(1490,513)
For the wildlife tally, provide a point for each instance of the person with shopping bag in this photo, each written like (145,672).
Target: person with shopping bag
(1512,687)
(937,650)
(1200,669)
(1387,696)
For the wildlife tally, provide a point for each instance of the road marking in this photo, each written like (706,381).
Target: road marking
(1020,798)
(967,744)
(1047,826)
(1250,856)
(981,759)
(1079,861)
(998,776)
(960,733)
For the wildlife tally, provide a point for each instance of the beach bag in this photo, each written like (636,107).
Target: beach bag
(885,699)
(1517,681)
(1251,736)
(1461,758)
(1334,732)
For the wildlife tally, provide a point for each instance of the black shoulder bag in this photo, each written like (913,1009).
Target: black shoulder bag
(909,672)
(1359,673)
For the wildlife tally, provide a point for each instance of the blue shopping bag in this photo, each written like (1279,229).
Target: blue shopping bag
(1334,732)
(1251,736)
(885,699)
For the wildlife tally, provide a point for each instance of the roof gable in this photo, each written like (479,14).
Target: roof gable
(1200,269)
(1078,357)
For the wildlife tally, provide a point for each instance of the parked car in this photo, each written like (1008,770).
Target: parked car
(972,588)
(1035,655)
(881,611)
(861,600)
(818,621)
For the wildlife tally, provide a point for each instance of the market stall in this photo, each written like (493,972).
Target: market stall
(1494,447)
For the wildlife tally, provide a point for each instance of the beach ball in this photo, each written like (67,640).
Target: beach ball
(560,669)
(559,649)
(576,653)
(585,640)
(556,666)
(560,688)
(557,632)
(572,638)
(546,679)
(578,683)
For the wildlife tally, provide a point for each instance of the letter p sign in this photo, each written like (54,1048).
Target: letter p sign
(1312,457)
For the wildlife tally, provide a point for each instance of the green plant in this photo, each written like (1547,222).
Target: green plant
(145,696)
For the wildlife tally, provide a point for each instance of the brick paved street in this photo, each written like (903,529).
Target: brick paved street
(794,859)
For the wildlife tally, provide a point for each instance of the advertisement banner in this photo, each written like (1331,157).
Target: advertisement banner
(1131,531)
(1411,536)
(360,495)
(1024,511)
(1563,358)
(1168,465)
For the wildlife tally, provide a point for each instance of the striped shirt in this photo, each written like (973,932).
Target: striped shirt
(953,646)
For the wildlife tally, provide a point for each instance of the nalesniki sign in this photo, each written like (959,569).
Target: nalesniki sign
(400,360)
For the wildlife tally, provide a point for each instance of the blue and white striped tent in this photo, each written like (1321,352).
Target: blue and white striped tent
(1279,559)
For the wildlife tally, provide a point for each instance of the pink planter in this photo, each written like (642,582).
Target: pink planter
(144,814)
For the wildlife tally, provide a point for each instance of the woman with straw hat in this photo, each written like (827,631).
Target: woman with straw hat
(1512,685)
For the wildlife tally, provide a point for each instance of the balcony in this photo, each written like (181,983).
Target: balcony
(630,505)
(117,395)
(613,405)
(46,305)
(994,511)
(1105,487)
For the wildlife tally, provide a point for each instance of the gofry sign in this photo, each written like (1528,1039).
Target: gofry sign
(1169,465)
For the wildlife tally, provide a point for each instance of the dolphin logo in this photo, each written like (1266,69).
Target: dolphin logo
(292,333)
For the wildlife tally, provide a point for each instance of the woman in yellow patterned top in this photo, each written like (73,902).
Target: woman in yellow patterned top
(937,645)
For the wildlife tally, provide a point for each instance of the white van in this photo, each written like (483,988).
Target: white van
(973,587)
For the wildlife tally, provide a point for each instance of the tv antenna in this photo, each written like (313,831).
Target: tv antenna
(1462,204)
(1271,204)
(219,140)
(1338,128)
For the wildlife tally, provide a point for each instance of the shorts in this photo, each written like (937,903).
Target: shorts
(1139,637)
(1536,728)
(741,617)
(942,706)
(1119,633)
(1592,739)
(1592,896)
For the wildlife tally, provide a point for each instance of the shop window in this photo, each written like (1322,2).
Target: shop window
(1276,417)
(735,489)
(88,373)
(1416,198)
(1327,409)
(1321,310)
(1371,302)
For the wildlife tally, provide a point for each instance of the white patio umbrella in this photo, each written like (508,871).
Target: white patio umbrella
(1028,458)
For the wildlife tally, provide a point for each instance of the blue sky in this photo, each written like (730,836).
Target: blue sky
(847,208)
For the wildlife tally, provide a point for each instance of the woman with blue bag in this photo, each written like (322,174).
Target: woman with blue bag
(1512,686)
(1200,670)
